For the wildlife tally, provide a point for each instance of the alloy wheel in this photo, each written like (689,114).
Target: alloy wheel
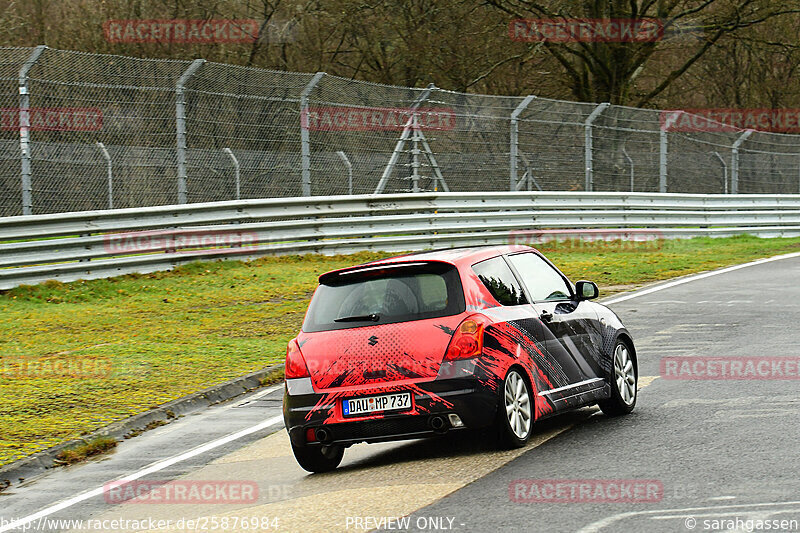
(518,405)
(624,374)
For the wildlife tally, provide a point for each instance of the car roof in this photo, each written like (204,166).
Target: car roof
(460,257)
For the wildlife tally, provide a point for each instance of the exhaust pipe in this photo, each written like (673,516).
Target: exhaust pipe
(323,435)
(438,424)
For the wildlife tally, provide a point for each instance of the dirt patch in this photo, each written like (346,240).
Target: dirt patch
(608,290)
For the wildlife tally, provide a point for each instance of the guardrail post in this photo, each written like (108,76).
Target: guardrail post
(514,147)
(109,174)
(305,142)
(180,125)
(398,148)
(346,161)
(236,171)
(24,130)
(662,150)
(735,160)
(587,133)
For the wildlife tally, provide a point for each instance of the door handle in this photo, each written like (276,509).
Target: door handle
(546,316)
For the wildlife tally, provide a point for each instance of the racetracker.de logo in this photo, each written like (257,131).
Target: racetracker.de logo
(179,241)
(722,120)
(586,491)
(52,118)
(181,492)
(567,30)
(730,368)
(377,119)
(577,239)
(21,367)
(181,31)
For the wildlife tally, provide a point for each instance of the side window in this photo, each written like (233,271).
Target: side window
(542,280)
(498,278)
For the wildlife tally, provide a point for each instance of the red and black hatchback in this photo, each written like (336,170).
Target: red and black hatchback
(423,344)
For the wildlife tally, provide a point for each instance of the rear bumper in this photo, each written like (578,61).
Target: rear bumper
(434,401)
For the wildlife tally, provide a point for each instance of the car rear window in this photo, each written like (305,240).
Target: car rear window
(385,294)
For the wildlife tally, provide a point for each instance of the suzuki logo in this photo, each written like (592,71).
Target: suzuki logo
(373,340)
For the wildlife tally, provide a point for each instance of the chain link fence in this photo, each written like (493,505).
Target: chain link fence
(85,131)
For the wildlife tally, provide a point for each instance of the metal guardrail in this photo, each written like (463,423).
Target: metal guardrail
(98,244)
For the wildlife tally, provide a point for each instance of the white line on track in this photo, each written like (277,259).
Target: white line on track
(155,467)
(257,395)
(681,281)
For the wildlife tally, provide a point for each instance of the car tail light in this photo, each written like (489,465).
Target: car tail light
(467,340)
(295,363)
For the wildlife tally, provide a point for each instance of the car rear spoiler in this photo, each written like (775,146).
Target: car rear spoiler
(372,269)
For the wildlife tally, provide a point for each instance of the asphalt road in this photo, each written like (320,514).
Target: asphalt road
(720,451)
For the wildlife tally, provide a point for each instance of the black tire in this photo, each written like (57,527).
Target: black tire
(621,402)
(508,436)
(318,459)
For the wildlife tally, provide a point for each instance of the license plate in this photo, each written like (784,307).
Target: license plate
(372,404)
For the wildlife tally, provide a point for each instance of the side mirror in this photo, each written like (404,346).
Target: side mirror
(586,290)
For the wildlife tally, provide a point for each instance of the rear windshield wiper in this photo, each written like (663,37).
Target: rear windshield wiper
(359,318)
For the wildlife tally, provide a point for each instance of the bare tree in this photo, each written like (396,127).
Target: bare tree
(608,71)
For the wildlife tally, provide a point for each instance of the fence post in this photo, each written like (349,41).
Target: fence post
(587,133)
(180,125)
(346,161)
(662,160)
(630,163)
(305,142)
(735,160)
(24,130)
(514,148)
(724,171)
(236,170)
(109,174)
(662,149)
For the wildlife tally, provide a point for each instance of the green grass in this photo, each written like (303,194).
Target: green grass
(75,357)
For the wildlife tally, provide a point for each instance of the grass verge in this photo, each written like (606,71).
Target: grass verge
(76,357)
